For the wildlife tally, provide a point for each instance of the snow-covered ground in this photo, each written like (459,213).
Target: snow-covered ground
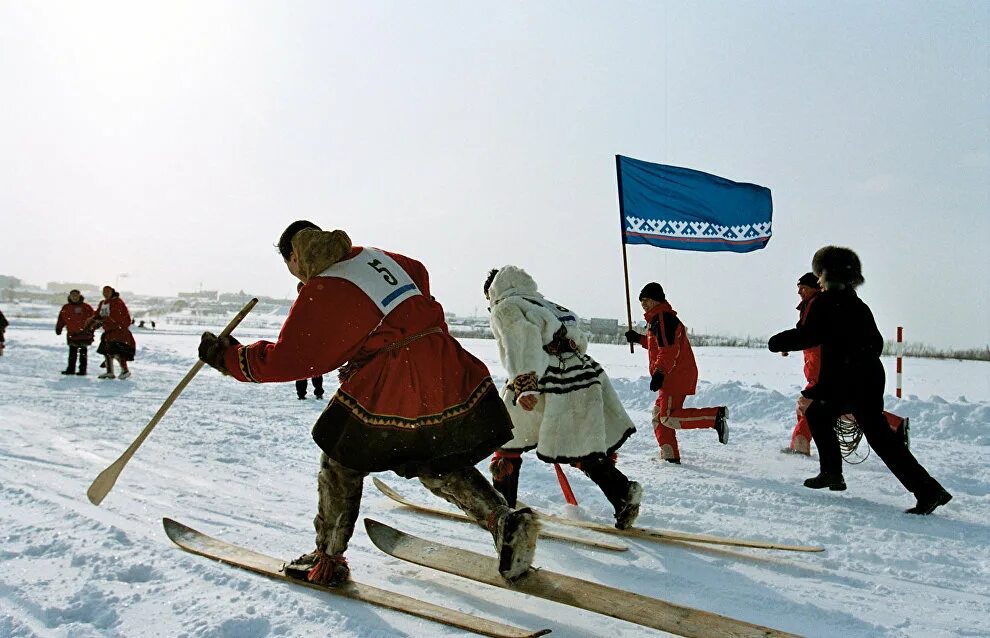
(236,461)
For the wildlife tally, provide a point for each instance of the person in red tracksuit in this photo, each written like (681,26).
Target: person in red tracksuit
(674,373)
(808,289)
(74,319)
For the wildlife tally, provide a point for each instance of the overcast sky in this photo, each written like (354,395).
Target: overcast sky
(174,141)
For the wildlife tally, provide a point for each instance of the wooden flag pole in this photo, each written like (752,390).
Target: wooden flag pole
(105,481)
(622,238)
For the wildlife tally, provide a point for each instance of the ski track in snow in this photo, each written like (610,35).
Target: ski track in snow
(237,461)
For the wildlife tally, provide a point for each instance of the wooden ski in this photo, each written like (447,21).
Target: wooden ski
(436,511)
(203,545)
(567,590)
(665,535)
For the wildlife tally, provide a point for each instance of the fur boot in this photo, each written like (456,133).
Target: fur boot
(514,532)
(515,541)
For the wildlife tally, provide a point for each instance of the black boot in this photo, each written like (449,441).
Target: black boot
(623,494)
(505,476)
(928,502)
(71,368)
(82,362)
(830,480)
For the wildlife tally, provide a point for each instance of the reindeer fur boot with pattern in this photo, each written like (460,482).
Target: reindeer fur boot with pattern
(514,531)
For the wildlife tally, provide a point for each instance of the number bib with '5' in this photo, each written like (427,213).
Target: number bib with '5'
(378,276)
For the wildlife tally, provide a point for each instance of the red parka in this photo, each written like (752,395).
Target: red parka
(116,320)
(670,351)
(812,356)
(74,318)
(410,397)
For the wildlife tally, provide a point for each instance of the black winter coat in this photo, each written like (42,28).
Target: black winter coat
(852,375)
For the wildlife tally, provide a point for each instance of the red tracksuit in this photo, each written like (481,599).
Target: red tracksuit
(670,352)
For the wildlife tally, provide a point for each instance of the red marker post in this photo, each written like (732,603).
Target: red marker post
(900,354)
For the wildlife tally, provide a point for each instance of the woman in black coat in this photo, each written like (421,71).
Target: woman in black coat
(851,379)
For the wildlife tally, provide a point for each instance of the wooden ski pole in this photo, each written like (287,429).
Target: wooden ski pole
(105,481)
(565,485)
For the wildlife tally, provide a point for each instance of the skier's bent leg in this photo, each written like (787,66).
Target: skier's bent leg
(623,494)
(337,512)
(514,531)
(467,489)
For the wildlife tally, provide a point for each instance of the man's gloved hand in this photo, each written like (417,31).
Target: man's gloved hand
(58,331)
(212,349)
(632,336)
(656,381)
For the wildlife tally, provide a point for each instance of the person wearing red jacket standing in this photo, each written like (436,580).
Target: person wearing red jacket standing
(74,319)
(117,341)
(674,373)
(808,289)
(411,399)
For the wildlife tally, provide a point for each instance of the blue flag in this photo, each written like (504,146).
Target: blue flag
(673,207)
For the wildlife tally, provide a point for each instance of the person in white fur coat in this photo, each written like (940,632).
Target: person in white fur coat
(561,401)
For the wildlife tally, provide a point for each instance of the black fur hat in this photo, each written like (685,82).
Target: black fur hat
(809,279)
(653,291)
(490,279)
(838,266)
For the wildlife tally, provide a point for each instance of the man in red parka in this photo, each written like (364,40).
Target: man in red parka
(674,373)
(808,289)
(74,319)
(411,399)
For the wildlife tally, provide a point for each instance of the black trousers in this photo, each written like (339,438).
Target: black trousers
(317,387)
(77,352)
(889,446)
(602,471)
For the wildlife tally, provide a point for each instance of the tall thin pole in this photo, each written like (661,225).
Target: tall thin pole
(622,238)
(900,355)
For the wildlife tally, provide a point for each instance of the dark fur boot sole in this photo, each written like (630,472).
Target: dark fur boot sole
(519,530)
(627,515)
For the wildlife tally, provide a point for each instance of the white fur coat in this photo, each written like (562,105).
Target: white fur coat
(578,413)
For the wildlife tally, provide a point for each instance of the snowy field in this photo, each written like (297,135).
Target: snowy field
(236,461)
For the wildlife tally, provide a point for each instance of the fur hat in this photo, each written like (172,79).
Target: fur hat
(838,266)
(808,279)
(317,250)
(653,291)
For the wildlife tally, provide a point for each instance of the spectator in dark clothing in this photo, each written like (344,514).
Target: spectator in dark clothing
(317,380)
(3,328)
(317,387)
(851,379)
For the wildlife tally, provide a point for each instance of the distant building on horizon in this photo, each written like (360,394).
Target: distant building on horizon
(206,295)
(65,287)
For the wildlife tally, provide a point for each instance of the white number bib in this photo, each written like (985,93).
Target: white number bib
(378,276)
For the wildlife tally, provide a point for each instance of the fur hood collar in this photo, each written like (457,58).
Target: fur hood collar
(319,249)
(511,280)
(658,310)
